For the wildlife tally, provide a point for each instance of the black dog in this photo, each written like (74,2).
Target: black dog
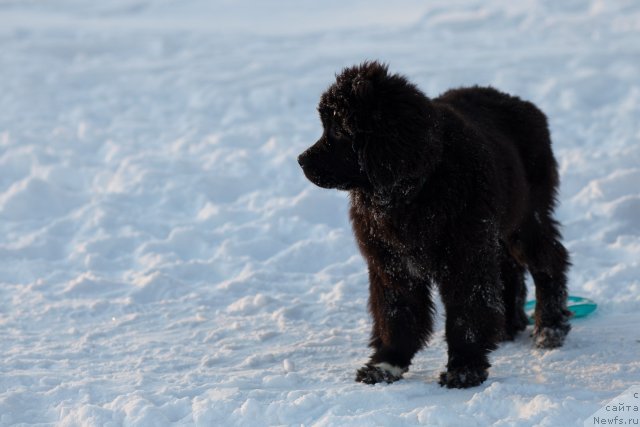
(456,191)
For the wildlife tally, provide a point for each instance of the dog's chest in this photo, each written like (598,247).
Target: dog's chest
(389,230)
(391,238)
(407,251)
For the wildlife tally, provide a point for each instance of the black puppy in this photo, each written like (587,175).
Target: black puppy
(456,191)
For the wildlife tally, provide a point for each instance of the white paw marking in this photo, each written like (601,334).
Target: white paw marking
(396,371)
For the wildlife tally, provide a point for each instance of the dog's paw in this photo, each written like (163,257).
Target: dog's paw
(380,372)
(463,377)
(550,337)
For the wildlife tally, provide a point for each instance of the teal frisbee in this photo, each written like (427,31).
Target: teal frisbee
(579,306)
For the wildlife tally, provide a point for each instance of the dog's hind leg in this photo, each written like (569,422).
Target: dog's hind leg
(515,293)
(547,261)
(402,324)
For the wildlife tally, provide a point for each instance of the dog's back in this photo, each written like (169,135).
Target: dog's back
(506,119)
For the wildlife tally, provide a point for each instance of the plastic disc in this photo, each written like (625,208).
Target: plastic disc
(579,306)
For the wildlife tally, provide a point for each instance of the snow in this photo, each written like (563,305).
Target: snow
(163,260)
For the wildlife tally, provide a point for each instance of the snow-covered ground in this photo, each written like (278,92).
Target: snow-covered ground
(163,261)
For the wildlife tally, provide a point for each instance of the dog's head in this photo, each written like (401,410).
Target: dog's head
(376,133)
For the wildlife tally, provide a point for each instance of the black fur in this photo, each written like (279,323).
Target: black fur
(456,192)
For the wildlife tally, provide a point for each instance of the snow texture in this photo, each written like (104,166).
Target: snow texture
(163,260)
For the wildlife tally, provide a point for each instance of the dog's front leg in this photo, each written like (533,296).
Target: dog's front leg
(474,307)
(402,311)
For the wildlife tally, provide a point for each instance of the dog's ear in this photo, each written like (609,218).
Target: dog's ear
(391,157)
(377,162)
(398,135)
(368,90)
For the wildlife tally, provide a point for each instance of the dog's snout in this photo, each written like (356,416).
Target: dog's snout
(301,159)
(305,158)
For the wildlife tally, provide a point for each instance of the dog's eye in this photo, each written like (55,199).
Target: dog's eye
(335,132)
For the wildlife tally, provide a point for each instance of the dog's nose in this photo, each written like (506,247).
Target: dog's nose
(301,160)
